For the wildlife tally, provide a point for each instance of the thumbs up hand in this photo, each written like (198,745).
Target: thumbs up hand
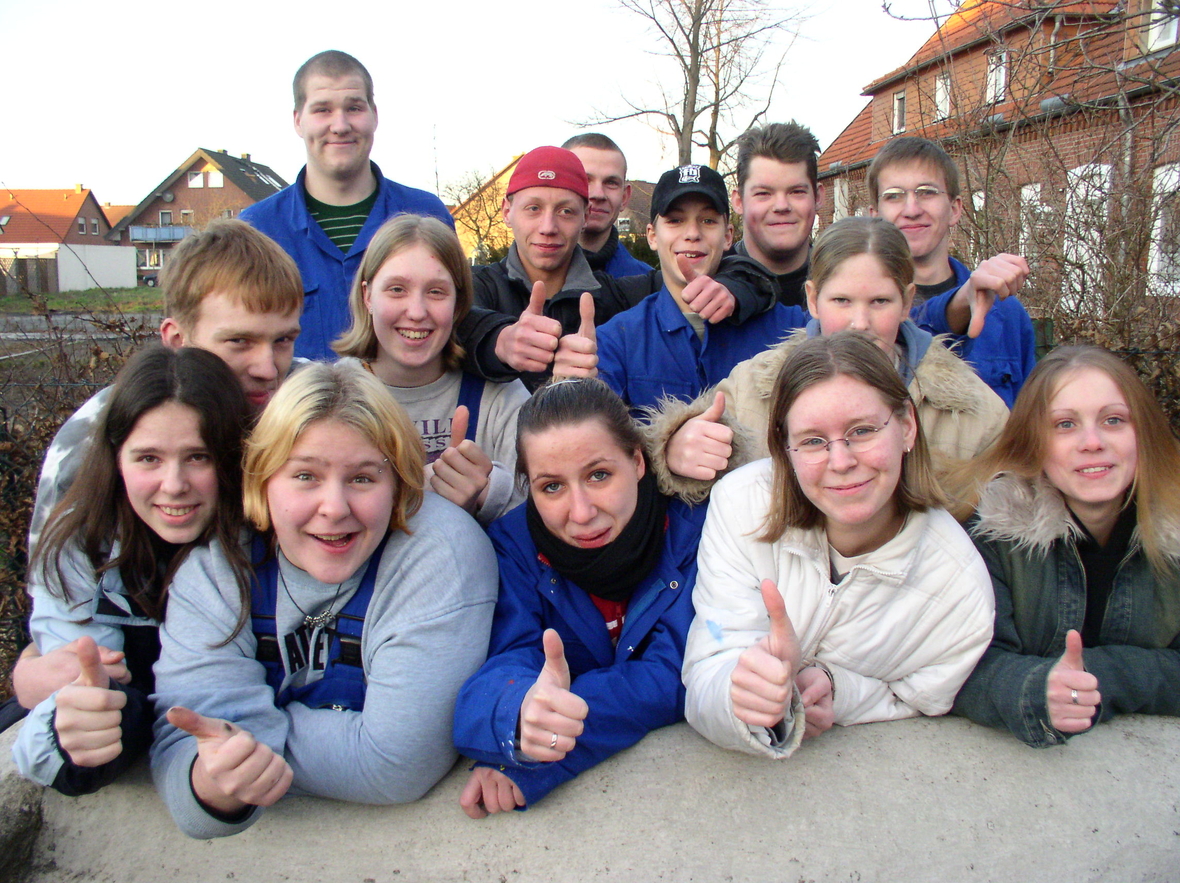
(1072,692)
(461,472)
(577,354)
(550,715)
(232,770)
(529,343)
(701,448)
(704,295)
(763,682)
(89,715)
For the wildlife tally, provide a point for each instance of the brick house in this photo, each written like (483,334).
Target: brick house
(34,227)
(209,184)
(1064,118)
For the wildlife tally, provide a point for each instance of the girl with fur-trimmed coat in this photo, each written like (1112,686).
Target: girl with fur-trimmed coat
(861,280)
(1080,529)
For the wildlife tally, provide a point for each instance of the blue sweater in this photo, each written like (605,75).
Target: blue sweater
(651,351)
(631,688)
(327,271)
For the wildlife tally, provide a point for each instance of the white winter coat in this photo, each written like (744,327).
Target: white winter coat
(900,632)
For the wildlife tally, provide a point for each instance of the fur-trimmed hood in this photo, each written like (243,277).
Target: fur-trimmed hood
(1033,516)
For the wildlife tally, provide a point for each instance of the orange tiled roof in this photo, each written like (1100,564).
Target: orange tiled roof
(853,144)
(115,213)
(40,215)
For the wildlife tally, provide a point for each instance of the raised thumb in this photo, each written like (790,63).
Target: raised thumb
(459,425)
(586,310)
(715,411)
(198,725)
(92,673)
(783,643)
(1072,657)
(687,271)
(556,667)
(537,300)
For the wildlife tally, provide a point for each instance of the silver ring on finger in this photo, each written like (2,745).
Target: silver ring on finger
(1073,697)
(553,742)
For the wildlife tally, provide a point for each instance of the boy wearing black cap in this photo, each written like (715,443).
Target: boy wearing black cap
(661,348)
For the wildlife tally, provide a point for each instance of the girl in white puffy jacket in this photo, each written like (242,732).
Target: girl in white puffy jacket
(832,587)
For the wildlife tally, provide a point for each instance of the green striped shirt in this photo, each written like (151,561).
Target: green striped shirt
(341,223)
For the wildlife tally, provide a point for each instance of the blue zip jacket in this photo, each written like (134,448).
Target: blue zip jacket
(651,351)
(631,688)
(327,271)
(1004,354)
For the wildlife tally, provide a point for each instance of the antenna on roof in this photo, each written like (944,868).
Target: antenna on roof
(434,147)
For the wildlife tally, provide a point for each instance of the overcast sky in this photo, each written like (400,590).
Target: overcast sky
(115,100)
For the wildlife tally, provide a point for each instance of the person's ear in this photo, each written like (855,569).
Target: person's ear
(812,297)
(651,237)
(171,333)
(640,463)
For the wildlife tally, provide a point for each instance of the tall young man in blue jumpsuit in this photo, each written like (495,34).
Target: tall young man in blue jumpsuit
(327,217)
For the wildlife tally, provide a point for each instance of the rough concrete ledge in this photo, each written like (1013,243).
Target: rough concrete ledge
(918,800)
(20,813)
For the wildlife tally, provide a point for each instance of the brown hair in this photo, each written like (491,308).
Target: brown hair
(850,354)
(859,235)
(395,236)
(229,257)
(1021,447)
(329,63)
(596,141)
(95,513)
(913,150)
(782,142)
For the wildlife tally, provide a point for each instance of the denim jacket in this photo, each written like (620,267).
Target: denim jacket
(1029,540)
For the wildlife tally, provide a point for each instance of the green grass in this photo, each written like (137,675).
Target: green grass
(93,300)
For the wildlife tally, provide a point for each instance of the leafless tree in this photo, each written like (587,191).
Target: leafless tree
(476,198)
(728,54)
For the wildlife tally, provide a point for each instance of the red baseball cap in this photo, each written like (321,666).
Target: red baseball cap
(550,167)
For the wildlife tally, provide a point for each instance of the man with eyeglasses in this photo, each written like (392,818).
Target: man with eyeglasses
(914,184)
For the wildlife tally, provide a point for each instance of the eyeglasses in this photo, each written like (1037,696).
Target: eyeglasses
(897,195)
(858,439)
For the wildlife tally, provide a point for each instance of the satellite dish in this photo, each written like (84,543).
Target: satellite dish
(167,196)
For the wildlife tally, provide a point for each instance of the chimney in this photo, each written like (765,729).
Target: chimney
(77,188)
(246,157)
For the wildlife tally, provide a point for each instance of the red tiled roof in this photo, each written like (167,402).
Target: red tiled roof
(40,215)
(115,213)
(851,145)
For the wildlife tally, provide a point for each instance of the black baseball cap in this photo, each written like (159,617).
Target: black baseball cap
(700,180)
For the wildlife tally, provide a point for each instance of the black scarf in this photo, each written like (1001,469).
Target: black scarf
(612,571)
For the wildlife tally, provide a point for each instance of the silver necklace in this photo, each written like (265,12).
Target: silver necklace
(320,619)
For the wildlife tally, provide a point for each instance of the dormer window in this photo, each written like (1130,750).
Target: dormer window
(898,112)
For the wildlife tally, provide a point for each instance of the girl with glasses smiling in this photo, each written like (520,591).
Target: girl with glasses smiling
(832,587)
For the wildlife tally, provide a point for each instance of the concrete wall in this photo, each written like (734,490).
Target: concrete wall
(89,266)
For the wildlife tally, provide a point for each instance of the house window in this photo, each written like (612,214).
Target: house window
(624,225)
(898,112)
(840,200)
(1035,218)
(186,217)
(94,226)
(1164,262)
(1161,30)
(227,212)
(196,180)
(997,77)
(82,226)
(1086,195)
(216,179)
(149,258)
(942,97)
(166,219)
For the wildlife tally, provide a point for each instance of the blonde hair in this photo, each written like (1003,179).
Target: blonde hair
(1021,447)
(849,354)
(344,393)
(229,257)
(858,235)
(395,236)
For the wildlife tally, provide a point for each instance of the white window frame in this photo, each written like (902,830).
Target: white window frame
(1087,200)
(216,179)
(94,226)
(196,180)
(81,226)
(1164,266)
(899,112)
(840,199)
(167,223)
(996,88)
(1162,28)
(942,97)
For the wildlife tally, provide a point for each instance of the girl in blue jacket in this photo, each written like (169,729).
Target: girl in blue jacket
(596,576)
